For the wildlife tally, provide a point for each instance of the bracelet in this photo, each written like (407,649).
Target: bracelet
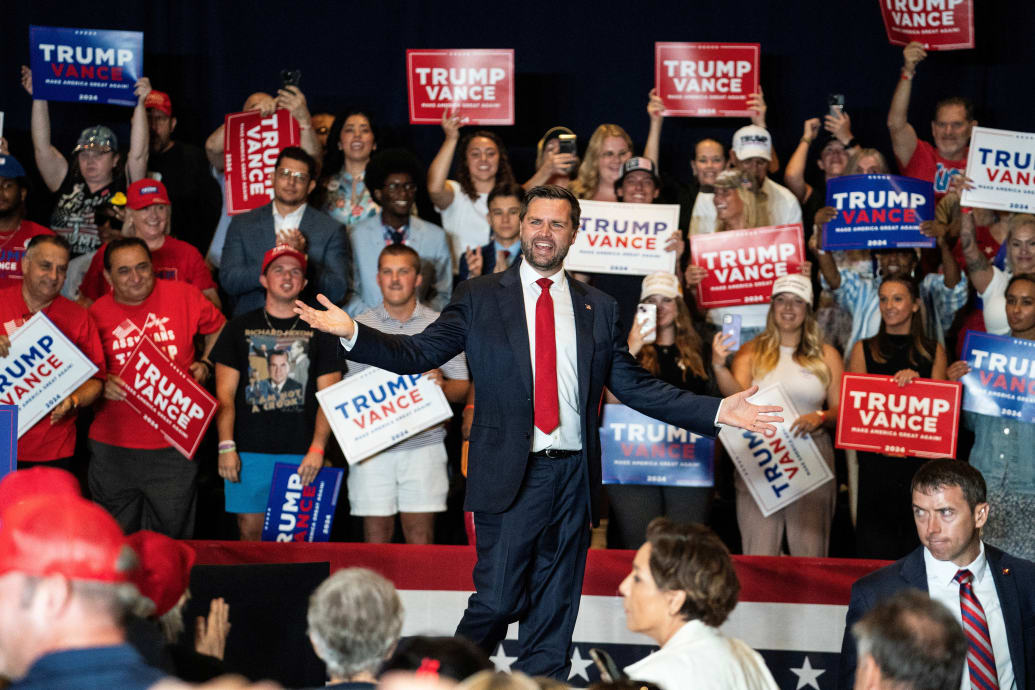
(224,451)
(822,416)
(227,444)
(75,401)
(806,141)
(907,76)
(966,210)
(468,407)
(316,449)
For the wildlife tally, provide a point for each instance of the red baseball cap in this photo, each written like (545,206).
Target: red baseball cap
(159,100)
(147,192)
(37,481)
(73,537)
(279,251)
(164,572)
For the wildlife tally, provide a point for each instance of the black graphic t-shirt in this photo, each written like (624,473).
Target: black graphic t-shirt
(75,211)
(276,395)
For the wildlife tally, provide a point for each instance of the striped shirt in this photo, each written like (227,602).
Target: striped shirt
(455,368)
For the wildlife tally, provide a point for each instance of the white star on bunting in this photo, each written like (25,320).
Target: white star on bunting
(579,666)
(501,661)
(807,675)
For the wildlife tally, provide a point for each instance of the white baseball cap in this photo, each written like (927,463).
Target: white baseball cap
(753,141)
(796,284)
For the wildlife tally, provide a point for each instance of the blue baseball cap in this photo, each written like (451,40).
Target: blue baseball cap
(10,167)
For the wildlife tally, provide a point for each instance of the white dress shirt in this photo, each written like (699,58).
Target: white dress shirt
(942,588)
(568,434)
(291,221)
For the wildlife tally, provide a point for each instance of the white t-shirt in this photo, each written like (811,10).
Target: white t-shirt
(783,205)
(702,218)
(466,222)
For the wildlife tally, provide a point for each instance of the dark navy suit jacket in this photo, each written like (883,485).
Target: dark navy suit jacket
(1014,583)
(486,319)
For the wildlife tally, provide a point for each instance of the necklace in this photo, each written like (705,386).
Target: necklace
(267,316)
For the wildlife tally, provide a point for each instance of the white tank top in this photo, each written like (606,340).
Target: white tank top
(805,390)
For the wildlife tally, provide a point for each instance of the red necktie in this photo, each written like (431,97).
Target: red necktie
(547,413)
(980,659)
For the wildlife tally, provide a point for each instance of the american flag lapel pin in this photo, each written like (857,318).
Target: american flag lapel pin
(589,307)
(1006,571)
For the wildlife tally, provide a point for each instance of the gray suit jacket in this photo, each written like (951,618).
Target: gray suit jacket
(251,235)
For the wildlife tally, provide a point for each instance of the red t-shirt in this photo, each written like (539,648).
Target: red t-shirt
(12,248)
(927,164)
(171,316)
(46,441)
(986,242)
(174,260)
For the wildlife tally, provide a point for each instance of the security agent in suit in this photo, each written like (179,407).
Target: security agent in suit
(533,491)
(286,220)
(949,508)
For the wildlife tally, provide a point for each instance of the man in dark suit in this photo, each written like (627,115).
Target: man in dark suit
(286,220)
(530,334)
(949,508)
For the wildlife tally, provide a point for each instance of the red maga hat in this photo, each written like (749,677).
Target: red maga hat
(164,572)
(59,535)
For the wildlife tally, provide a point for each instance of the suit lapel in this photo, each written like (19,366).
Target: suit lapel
(1009,602)
(511,300)
(914,571)
(583,337)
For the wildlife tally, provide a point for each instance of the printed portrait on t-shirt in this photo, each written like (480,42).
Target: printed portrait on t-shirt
(278,371)
(74,216)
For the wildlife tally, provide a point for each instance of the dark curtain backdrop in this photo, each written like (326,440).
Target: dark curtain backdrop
(578,63)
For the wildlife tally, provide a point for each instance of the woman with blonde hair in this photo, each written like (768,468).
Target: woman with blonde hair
(608,148)
(736,208)
(791,352)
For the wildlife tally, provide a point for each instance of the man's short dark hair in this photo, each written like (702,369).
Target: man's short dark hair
(400,250)
(936,475)
(56,240)
(277,353)
(121,243)
(392,162)
(965,103)
(552,191)
(297,153)
(915,642)
(506,189)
